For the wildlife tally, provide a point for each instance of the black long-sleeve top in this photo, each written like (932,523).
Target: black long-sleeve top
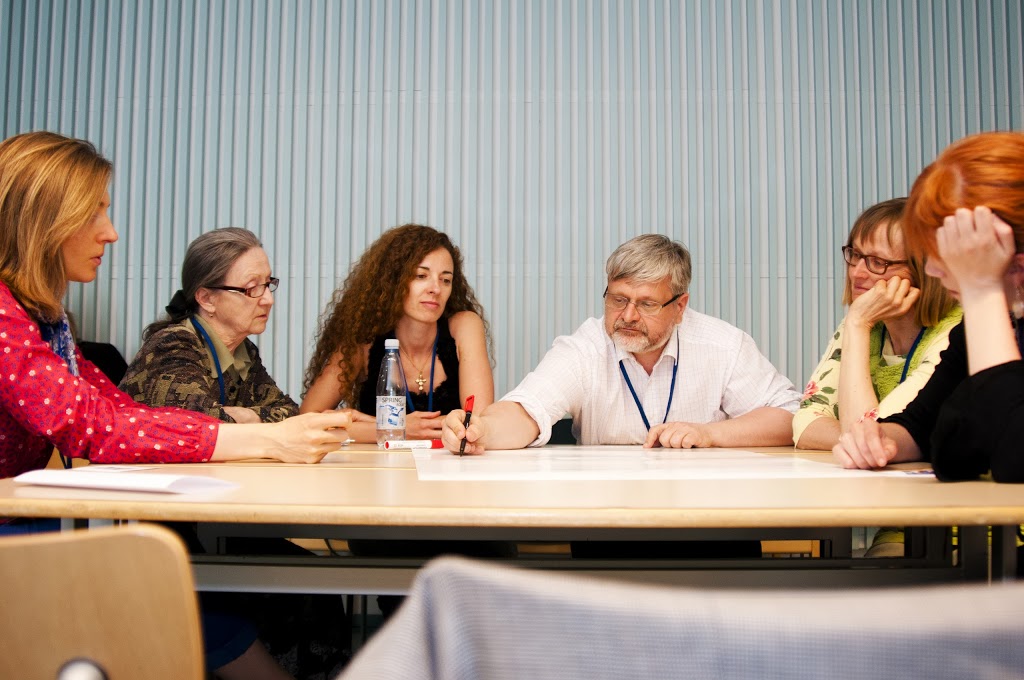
(969,425)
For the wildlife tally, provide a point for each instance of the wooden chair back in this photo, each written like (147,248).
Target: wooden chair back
(120,597)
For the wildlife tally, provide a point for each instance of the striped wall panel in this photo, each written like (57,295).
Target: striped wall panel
(538,134)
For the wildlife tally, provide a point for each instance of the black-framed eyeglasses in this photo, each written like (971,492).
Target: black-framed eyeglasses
(643,307)
(875,264)
(252,291)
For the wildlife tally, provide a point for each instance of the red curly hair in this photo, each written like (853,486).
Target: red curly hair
(370,302)
(984,169)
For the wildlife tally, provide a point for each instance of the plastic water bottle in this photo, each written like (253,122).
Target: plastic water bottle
(390,396)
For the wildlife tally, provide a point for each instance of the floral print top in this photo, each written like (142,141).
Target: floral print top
(821,395)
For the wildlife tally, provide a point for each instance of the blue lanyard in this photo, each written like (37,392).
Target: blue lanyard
(216,361)
(910,354)
(430,394)
(671,389)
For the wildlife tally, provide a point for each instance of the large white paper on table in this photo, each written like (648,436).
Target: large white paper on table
(123,478)
(622,462)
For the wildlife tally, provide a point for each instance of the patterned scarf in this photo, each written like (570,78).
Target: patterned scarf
(58,334)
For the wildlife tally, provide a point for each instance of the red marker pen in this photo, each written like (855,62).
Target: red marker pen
(414,444)
(465,424)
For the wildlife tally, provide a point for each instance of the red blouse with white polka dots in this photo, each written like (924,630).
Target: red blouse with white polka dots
(43,405)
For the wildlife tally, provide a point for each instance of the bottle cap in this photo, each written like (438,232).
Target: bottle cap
(391,343)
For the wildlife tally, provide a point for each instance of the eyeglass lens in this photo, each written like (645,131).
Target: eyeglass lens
(644,307)
(260,288)
(875,265)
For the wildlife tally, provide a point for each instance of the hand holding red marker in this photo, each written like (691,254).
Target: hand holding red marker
(469,414)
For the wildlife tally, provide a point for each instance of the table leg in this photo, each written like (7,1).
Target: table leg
(1004,553)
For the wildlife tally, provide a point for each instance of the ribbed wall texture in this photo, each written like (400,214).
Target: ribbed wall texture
(538,134)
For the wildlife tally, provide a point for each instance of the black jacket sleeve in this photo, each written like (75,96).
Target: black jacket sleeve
(981,427)
(921,415)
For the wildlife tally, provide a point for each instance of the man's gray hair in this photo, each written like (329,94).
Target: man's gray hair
(649,258)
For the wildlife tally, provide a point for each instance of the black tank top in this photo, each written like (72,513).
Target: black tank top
(446,394)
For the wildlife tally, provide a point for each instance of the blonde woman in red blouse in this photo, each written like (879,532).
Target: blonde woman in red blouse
(54,228)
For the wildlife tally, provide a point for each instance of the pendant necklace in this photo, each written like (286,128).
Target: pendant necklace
(419,380)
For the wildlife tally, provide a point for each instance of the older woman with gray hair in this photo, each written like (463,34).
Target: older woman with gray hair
(200,357)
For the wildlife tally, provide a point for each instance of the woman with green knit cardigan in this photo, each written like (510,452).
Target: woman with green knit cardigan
(889,343)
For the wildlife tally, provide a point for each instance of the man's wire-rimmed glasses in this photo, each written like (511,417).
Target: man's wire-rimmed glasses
(643,307)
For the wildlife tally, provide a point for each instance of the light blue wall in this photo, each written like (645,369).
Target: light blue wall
(539,134)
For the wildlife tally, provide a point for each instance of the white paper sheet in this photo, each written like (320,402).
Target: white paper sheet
(123,478)
(623,462)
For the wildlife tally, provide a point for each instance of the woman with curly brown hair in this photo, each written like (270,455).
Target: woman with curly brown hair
(408,285)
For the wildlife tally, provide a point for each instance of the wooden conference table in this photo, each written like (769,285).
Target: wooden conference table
(363,493)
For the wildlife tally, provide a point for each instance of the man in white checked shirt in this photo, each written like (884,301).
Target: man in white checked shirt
(648,372)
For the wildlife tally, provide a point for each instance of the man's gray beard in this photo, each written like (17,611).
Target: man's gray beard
(638,345)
